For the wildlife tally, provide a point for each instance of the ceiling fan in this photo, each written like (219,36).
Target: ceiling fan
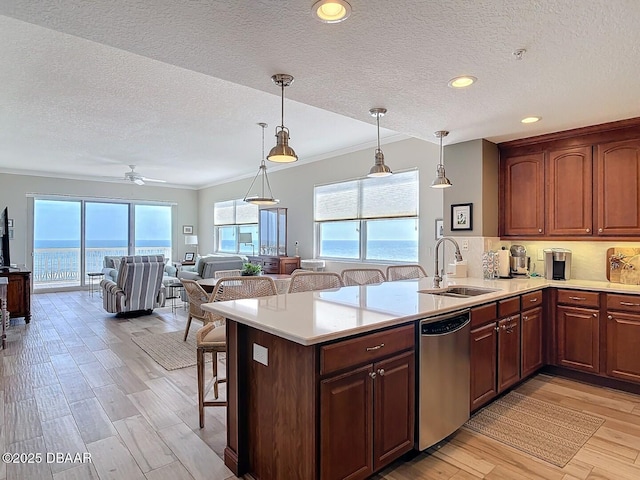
(135,177)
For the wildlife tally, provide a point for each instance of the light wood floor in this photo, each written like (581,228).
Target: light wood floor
(74,382)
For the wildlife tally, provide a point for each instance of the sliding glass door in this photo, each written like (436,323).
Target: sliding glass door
(57,227)
(106,233)
(72,237)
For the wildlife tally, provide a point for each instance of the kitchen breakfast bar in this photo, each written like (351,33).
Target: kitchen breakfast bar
(322,385)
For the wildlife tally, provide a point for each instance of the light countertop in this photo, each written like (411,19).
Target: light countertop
(309,318)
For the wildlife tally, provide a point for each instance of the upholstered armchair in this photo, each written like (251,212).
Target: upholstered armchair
(138,287)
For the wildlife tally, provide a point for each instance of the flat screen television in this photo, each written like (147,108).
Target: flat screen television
(4,225)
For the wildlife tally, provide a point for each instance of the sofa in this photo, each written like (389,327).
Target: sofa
(111,265)
(208,265)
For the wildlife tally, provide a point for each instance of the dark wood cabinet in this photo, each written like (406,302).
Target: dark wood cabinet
(484,364)
(346,429)
(578,338)
(618,184)
(522,201)
(367,414)
(569,192)
(276,265)
(623,337)
(531,356)
(577,184)
(394,407)
(508,352)
(18,293)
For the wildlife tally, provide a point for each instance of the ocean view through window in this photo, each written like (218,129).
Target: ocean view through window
(72,237)
(230,219)
(373,219)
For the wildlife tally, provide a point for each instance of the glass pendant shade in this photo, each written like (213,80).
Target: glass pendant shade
(441,180)
(282,152)
(379,168)
(264,196)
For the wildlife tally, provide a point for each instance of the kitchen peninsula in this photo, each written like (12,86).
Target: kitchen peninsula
(292,357)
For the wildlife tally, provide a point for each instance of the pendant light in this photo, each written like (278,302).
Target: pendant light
(262,198)
(379,169)
(441,181)
(282,152)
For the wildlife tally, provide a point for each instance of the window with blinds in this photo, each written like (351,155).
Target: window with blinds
(368,219)
(232,218)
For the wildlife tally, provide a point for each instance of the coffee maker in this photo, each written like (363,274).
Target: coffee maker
(557,264)
(519,261)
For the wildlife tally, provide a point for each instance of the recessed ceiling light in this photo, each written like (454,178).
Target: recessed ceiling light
(331,11)
(530,119)
(462,81)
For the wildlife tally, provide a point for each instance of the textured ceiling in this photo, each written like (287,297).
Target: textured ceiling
(177,87)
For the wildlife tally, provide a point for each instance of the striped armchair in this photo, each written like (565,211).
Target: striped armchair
(138,287)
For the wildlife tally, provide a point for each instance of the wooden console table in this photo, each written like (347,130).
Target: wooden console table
(18,293)
(275,264)
(3,309)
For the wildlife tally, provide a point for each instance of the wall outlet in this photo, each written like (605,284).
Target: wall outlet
(261,354)
(465,245)
(541,254)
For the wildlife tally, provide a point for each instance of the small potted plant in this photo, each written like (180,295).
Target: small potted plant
(249,269)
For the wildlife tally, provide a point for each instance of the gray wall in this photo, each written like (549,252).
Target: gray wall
(472,168)
(294,187)
(14,191)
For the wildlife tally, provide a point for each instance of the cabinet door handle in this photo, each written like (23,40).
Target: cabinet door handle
(372,374)
(381,372)
(497,329)
(588,230)
(600,230)
(609,317)
(377,347)
(539,230)
(533,300)
(525,317)
(577,298)
(629,304)
(595,314)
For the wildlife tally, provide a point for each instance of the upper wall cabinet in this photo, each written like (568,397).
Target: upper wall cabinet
(523,182)
(579,184)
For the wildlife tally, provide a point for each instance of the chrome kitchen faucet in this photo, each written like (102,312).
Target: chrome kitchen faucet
(437,274)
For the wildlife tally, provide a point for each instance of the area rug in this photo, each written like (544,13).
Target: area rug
(169,350)
(546,431)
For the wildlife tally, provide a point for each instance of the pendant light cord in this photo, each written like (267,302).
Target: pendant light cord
(282,106)
(378,123)
(441,149)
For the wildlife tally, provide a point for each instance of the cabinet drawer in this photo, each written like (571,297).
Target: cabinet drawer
(368,348)
(625,303)
(579,298)
(483,314)
(531,300)
(508,306)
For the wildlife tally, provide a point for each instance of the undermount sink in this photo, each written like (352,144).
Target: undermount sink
(459,291)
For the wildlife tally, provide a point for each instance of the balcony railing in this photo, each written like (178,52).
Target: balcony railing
(61,266)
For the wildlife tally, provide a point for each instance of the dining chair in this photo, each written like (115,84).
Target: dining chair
(306,281)
(227,273)
(196,296)
(212,337)
(405,272)
(362,276)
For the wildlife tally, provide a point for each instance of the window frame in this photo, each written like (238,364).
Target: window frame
(236,226)
(362,223)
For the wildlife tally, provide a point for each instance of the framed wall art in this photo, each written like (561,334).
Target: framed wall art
(462,216)
(439,228)
(187,229)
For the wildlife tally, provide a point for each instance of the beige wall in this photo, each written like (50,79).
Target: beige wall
(294,187)
(15,189)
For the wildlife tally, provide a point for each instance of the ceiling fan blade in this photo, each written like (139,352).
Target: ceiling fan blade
(138,181)
(153,180)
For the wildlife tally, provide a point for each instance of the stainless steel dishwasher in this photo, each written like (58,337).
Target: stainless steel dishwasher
(443,376)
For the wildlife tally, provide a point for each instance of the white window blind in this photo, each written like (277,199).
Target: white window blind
(234,212)
(368,198)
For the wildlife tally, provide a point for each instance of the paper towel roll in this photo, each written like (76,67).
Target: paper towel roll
(503,259)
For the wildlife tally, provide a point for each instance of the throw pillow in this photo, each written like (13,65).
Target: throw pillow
(116,263)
